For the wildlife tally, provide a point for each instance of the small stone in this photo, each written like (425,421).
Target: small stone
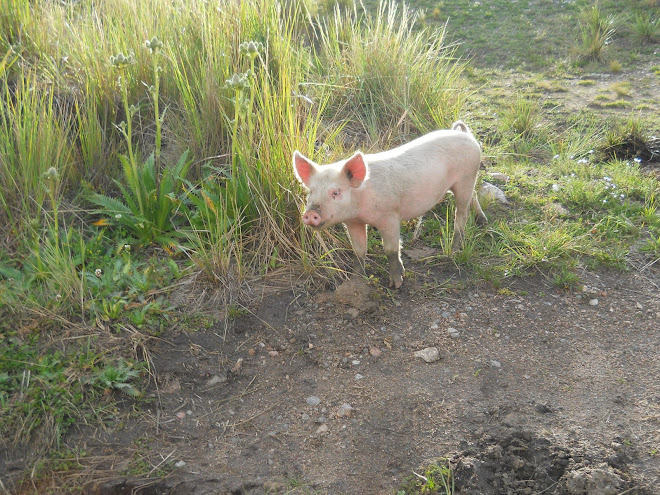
(313,401)
(251,352)
(180,464)
(181,415)
(593,302)
(352,312)
(322,429)
(434,326)
(216,380)
(355,362)
(375,351)
(305,417)
(430,354)
(345,410)
(273,353)
(638,305)
(495,363)
(358,376)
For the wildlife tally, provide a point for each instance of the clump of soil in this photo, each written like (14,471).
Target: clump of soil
(513,460)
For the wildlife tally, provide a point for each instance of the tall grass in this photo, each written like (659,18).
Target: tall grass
(316,84)
(391,79)
(34,137)
(597,30)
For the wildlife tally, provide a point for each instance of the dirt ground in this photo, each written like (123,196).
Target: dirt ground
(535,390)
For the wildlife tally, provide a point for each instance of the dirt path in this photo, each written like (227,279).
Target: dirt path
(536,391)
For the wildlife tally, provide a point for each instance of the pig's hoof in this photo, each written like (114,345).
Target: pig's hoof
(396,281)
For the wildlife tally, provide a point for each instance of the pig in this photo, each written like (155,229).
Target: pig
(384,189)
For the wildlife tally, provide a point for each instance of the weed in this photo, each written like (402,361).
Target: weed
(646,29)
(45,393)
(621,89)
(623,140)
(597,30)
(116,377)
(438,478)
(523,117)
(150,200)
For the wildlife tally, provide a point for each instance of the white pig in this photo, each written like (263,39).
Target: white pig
(384,189)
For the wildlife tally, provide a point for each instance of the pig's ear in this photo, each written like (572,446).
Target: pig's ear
(355,169)
(302,167)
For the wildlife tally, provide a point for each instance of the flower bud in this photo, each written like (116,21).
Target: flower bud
(51,174)
(154,44)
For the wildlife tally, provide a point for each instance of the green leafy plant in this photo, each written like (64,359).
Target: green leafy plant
(117,377)
(151,199)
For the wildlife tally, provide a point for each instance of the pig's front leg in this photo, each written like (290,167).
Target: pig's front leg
(357,232)
(392,247)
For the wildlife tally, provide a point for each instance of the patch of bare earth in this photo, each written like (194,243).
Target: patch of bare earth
(535,391)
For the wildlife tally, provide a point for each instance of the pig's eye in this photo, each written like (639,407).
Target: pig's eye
(335,194)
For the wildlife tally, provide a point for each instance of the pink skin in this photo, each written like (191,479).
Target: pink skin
(387,188)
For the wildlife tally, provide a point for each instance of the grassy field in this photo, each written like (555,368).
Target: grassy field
(143,156)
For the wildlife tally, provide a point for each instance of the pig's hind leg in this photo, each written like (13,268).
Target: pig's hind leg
(463,196)
(392,247)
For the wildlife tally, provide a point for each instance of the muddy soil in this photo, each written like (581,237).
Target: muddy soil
(535,390)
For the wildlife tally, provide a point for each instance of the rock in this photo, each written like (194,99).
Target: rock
(180,464)
(313,401)
(322,429)
(273,353)
(430,354)
(593,302)
(495,363)
(346,410)
(493,193)
(358,376)
(375,351)
(215,380)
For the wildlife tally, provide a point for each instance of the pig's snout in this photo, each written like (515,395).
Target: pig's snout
(312,218)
